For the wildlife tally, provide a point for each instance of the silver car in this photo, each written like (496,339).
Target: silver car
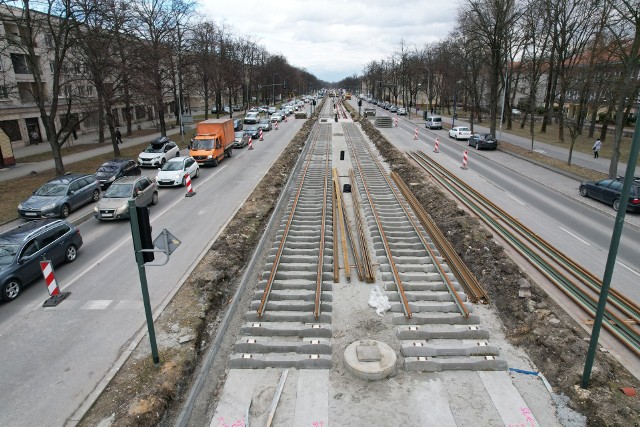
(114,203)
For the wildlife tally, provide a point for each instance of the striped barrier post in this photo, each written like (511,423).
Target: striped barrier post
(261,138)
(250,143)
(435,146)
(415,134)
(396,121)
(187,182)
(465,157)
(276,124)
(55,296)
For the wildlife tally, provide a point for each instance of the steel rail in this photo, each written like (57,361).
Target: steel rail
(396,276)
(441,271)
(364,247)
(343,237)
(276,262)
(351,239)
(616,325)
(327,177)
(476,292)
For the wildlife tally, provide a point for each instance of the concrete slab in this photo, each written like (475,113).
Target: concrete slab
(508,402)
(432,404)
(312,401)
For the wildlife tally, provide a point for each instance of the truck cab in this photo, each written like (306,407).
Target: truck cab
(213,141)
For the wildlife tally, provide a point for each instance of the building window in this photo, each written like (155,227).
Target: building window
(89,90)
(4,93)
(48,40)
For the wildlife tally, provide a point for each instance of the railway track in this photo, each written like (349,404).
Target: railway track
(432,316)
(622,318)
(289,321)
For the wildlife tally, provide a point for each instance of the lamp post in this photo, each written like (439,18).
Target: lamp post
(455,103)
(273,88)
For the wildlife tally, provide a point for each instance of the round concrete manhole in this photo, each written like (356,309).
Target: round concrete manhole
(370,360)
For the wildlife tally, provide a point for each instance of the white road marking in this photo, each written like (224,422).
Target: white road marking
(628,268)
(96,304)
(523,204)
(578,238)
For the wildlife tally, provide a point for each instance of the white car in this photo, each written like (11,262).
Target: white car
(460,132)
(158,152)
(271,110)
(275,117)
(402,111)
(173,173)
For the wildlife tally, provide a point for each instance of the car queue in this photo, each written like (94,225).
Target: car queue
(49,234)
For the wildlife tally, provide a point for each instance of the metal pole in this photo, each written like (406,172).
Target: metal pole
(613,252)
(506,76)
(137,248)
(455,104)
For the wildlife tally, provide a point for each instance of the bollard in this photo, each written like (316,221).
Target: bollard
(435,146)
(465,157)
(187,183)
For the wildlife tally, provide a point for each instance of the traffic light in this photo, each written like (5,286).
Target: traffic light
(144,224)
(284,84)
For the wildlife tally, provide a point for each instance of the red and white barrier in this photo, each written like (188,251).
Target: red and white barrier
(396,121)
(415,134)
(52,285)
(276,123)
(261,138)
(435,146)
(465,158)
(250,143)
(187,182)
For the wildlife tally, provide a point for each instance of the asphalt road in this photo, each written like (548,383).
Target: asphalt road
(56,357)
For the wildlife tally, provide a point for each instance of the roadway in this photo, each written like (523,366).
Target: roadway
(56,357)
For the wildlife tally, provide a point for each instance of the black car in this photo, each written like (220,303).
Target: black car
(60,195)
(483,140)
(237,124)
(253,131)
(609,191)
(22,249)
(114,169)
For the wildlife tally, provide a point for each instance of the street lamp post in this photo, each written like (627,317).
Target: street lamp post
(273,88)
(455,104)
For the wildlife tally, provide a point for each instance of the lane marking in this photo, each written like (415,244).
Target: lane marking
(523,204)
(628,268)
(573,235)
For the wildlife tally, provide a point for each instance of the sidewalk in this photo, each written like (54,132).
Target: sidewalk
(23,169)
(580,159)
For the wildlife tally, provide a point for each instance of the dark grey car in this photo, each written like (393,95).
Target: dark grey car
(60,196)
(483,140)
(22,249)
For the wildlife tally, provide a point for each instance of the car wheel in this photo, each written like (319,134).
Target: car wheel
(96,195)
(583,191)
(64,211)
(177,154)
(154,198)
(615,204)
(71,253)
(230,153)
(11,290)
(477,146)
(215,163)
(197,174)
(455,136)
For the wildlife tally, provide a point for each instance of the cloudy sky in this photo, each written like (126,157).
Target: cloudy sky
(334,39)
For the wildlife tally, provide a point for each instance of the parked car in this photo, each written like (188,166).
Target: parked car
(158,152)
(60,196)
(402,111)
(22,248)
(114,204)
(174,172)
(393,109)
(483,140)
(237,124)
(264,124)
(253,131)
(460,132)
(241,140)
(113,169)
(433,122)
(252,117)
(609,191)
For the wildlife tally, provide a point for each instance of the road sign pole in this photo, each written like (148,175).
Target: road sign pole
(137,247)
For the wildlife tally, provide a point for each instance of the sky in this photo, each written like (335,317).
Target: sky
(334,39)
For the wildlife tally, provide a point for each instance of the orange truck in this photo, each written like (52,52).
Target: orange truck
(213,141)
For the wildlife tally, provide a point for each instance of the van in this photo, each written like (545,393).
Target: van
(433,122)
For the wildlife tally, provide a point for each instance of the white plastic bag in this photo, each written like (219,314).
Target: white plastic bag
(379,301)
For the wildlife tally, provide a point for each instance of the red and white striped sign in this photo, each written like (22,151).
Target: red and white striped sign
(276,123)
(261,138)
(465,157)
(415,134)
(187,181)
(49,277)
(435,146)
(396,121)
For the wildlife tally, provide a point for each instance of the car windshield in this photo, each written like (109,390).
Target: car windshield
(118,191)
(202,144)
(107,168)
(238,135)
(264,121)
(7,253)
(251,128)
(172,166)
(154,149)
(51,189)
